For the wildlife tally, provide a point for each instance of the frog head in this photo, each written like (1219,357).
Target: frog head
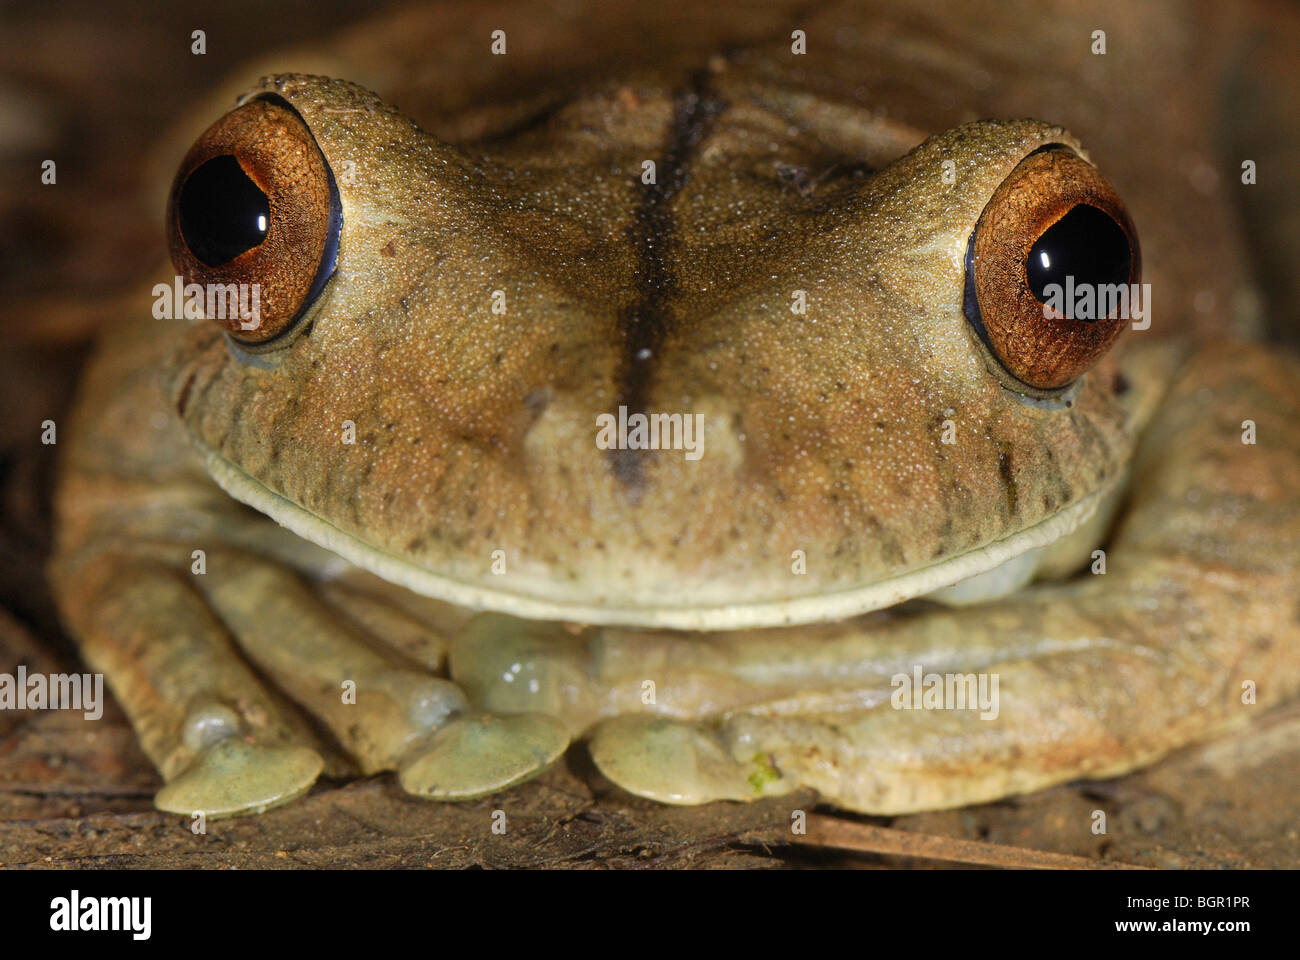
(696,354)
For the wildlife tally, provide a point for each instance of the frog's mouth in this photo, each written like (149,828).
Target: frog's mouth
(984,573)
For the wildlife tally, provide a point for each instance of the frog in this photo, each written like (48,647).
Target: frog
(381,523)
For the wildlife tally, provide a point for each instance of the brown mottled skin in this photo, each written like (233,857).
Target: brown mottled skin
(822,431)
(475,433)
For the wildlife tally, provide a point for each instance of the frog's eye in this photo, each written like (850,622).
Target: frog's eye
(1049,268)
(254,202)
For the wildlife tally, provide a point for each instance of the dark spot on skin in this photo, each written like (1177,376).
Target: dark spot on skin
(627,471)
(389,250)
(806,183)
(1121,385)
(945,532)
(537,400)
(791,173)
(416,545)
(888,546)
(183,400)
(1008,480)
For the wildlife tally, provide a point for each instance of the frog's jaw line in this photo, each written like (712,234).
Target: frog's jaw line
(798,610)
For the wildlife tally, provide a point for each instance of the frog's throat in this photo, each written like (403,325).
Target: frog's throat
(833,605)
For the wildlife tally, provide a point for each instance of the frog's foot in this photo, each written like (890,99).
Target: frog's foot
(224,743)
(385,714)
(176,649)
(675,761)
(1100,687)
(476,755)
(232,776)
(904,711)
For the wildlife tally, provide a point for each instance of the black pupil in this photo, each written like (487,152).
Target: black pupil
(1086,244)
(222,212)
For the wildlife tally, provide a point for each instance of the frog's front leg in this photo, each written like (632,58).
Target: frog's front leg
(172,589)
(170,643)
(384,714)
(224,743)
(1191,630)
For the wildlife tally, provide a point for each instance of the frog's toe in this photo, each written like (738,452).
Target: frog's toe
(475,755)
(508,665)
(386,715)
(679,762)
(378,708)
(234,776)
(201,714)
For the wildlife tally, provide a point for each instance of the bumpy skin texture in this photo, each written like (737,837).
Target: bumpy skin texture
(475,433)
(1096,676)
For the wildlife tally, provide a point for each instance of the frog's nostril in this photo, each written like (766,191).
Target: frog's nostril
(537,400)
